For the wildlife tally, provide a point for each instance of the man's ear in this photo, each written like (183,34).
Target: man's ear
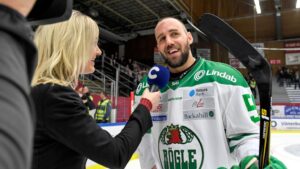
(190,38)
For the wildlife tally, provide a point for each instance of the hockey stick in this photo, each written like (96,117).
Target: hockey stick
(222,33)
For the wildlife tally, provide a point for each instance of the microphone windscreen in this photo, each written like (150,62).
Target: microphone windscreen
(158,75)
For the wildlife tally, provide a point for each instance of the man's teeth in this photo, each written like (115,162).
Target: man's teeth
(172,51)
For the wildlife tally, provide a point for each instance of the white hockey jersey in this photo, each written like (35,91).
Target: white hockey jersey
(206,119)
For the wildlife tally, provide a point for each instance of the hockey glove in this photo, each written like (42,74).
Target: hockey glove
(251,162)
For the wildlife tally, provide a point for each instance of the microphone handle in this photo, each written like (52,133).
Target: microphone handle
(153,88)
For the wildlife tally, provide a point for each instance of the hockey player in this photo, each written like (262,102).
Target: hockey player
(207,116)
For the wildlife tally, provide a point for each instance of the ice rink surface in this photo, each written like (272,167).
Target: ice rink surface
(285,145)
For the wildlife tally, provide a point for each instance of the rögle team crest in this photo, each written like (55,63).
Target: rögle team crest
(179,148)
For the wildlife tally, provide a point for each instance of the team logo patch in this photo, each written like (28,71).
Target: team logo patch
(179,147)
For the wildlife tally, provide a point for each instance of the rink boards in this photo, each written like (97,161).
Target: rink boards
(286,116)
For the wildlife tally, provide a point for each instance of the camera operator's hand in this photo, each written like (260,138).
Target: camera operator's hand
(152,97)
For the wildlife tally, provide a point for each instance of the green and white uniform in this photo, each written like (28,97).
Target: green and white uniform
(206,119)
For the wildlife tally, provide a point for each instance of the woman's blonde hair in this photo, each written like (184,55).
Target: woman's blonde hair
(64,49)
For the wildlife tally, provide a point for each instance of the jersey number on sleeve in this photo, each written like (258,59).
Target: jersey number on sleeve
(250,104)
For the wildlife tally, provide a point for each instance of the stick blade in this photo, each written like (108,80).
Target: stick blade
(225,35)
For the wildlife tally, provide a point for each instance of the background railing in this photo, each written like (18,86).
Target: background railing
(117,81)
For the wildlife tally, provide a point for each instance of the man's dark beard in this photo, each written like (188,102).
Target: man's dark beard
(182,60)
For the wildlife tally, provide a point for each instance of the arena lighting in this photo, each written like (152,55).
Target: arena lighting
(257,6)
(298,4)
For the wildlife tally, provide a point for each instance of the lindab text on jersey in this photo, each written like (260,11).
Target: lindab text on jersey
(223,75)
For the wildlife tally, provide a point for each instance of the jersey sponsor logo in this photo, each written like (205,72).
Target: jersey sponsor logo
(192,93)
(180,147)
(198,103)
(201,73)
(159,118)
(175,83)
(202,90)
(198,92)
(198,75)
(208,91)
(161,108)
(174,98)
(158,108)
(141,86)
(198,114)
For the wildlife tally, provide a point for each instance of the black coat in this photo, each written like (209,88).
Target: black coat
(65,135)
(17,58)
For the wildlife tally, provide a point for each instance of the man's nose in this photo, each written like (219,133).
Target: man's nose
(169,40)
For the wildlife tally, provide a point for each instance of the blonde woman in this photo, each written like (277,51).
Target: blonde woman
(65,135)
